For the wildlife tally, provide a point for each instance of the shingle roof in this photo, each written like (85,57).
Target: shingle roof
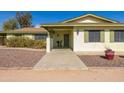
(27,30)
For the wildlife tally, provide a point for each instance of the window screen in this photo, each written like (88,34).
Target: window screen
(40,37)
(94,36)
(119,36)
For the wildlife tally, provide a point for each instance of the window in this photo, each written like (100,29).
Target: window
(40,37)
(94,36)
(18,34)
(119,36)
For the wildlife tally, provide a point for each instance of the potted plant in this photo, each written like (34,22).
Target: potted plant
(109,54)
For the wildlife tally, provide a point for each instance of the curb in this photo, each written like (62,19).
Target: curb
(50,69)
(106,67)
(27,49)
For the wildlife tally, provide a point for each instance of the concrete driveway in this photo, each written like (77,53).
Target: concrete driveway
(63,59)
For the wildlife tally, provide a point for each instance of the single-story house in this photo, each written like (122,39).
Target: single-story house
(32,33)
(86,33)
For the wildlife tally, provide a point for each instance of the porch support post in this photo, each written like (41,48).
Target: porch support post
(107,35)
(75,40)
(107,38)
(48,47)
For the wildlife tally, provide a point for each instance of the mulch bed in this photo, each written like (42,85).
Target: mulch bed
(101,61)
(14,58)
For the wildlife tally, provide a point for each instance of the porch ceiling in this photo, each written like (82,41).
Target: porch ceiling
(59,28)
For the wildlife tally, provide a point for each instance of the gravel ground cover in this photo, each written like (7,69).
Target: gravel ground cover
(14,58)
(101,61)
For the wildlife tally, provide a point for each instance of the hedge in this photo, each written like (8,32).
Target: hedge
(21,41)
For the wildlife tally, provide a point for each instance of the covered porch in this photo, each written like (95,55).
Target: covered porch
(59,38)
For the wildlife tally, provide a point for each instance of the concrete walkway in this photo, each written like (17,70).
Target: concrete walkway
(60,59)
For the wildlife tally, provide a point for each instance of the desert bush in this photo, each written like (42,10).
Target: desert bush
(39,44)
(21,41)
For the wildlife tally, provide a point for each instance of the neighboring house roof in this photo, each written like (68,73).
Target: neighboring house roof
(90,15)
(26,30)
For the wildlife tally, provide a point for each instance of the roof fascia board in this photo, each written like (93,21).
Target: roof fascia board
(89,15)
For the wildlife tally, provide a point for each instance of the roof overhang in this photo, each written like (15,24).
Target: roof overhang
(69,26)
(83,24)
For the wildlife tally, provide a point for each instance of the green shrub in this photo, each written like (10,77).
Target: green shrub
(39,44)
(20,41)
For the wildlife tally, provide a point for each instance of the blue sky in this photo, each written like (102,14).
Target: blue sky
(43,17)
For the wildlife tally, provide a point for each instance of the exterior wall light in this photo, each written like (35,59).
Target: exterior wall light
(77,31)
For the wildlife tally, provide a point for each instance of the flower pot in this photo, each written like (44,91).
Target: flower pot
(109,54)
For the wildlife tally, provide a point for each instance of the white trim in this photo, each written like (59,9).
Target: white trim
(92,15)
(48,47)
